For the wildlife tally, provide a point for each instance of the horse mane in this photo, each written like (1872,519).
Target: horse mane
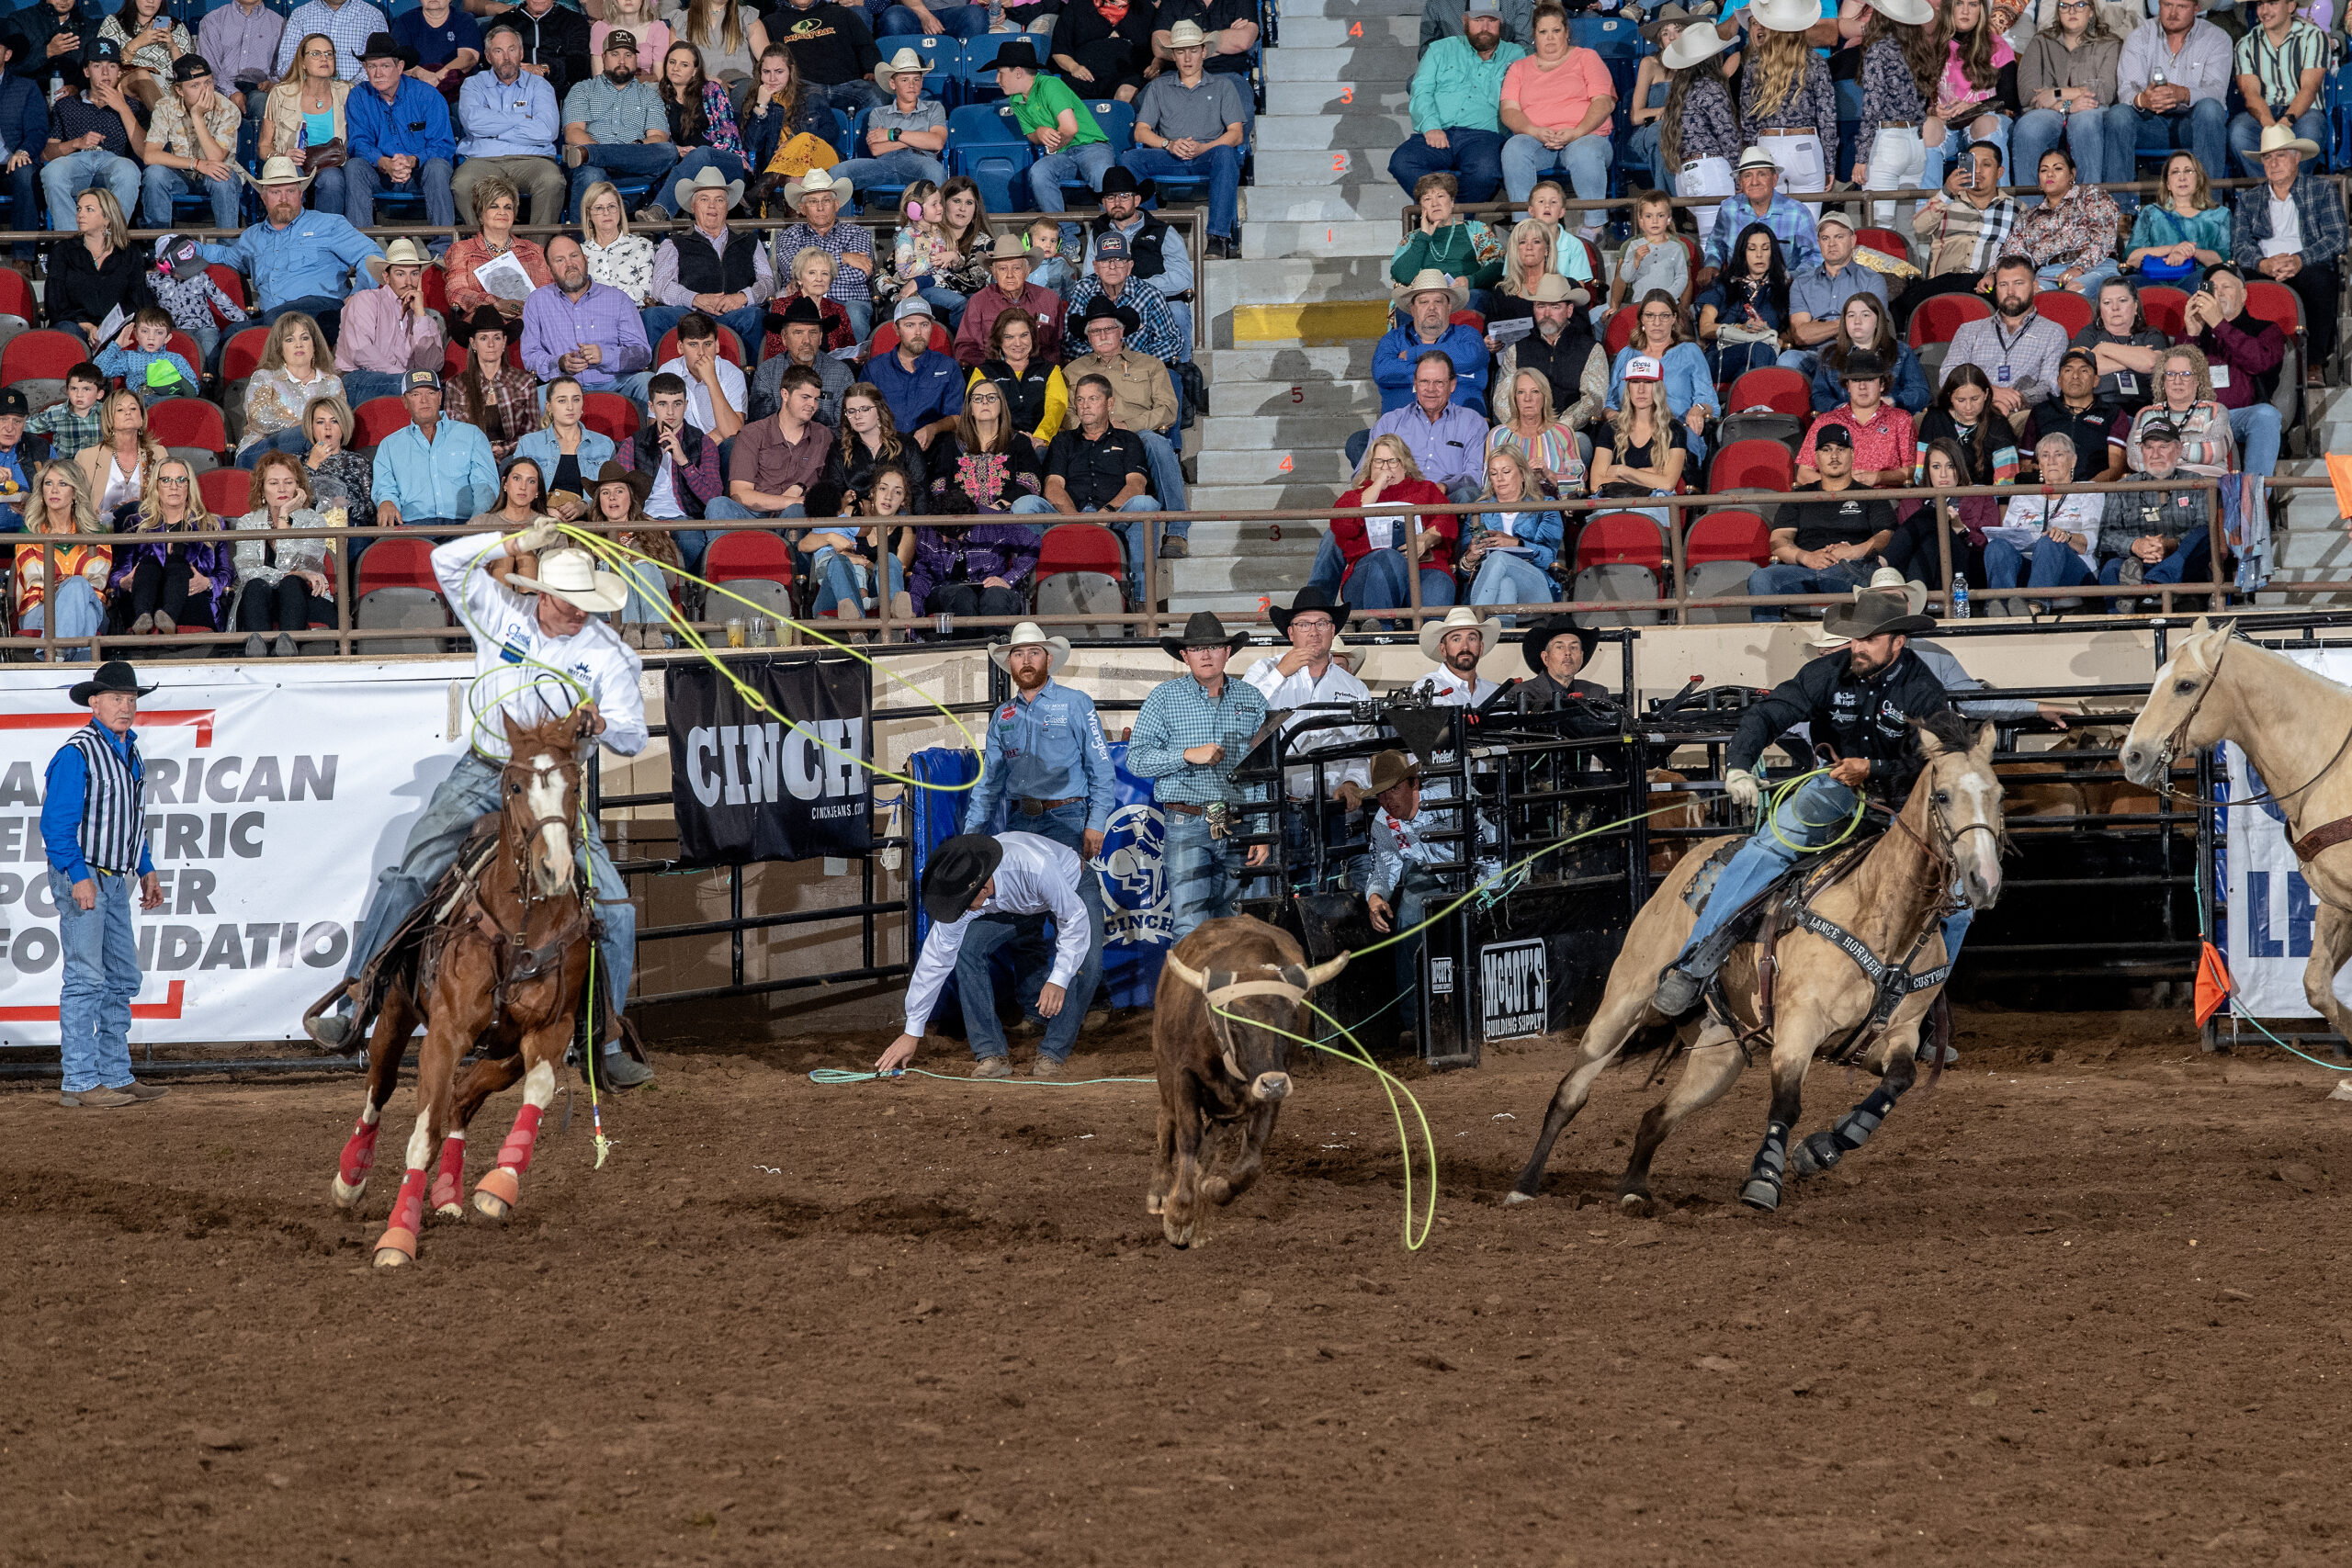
(558,733)
(1949,728)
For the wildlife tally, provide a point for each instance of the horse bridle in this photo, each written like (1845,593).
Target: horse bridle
(2178,738)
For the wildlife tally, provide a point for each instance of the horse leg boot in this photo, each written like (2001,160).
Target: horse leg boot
(449,1181)
(1770,1171)
(1714,1065)
(397,1246)
(359,1160)
(502,1189)
(1824,1149)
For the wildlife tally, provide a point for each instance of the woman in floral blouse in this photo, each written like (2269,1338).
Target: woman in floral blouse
(1698,135)
(501,400)
(988,464)
(2070,238)
(494,204)
(702,127)
(1459,247)
(293,371)
(616,258)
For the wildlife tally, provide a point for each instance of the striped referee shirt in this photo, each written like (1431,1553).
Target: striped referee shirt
(2279,68)
(93,811)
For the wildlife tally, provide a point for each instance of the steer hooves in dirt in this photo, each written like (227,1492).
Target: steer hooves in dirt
(1762,1196)
(1516,1196)
(1635,1203)
(1218,1191)
(1153,1203)
(1179,1236)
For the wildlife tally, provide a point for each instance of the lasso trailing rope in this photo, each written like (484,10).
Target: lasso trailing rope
(833,1077)
(2205,933)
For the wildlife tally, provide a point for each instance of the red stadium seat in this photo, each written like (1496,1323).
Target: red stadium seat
(2276,304)
(1783,391)
(42,354)
(1728,536)
(184,346)
(240,356)
(610,414)
(1476,320)
(2070,310)
(453,358)
(1886,241)
(2166,310)
(230,283)
(394,562)
(378,418)
(1753,464)
(16,297)
(1621,538)
(189,421)
(1078,547)
(747,555)
(228,492)
(1938,319)
(434,284)
(1621,329)
(1079,573)
(396,588)
(730,347)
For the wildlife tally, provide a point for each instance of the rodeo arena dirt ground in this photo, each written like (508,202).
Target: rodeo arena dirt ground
(2079,1303)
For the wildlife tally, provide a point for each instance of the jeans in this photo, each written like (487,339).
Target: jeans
(77,172)
(1221,164)
(24,202)
(358,385)
(1641,149)
(841,580)
(1506,579)
(1418,891)
(430,181)
(294,441)
(1475,158)
(78,614)
(2053,565)
(1204,874)
(96,988)
(976,989)
(2245,135)
(1803,361)
(649,596)
(2256,429)
(161,184)
(1330,565)
(696,159)
(2190,557)
(1811,815)
(1088,162)
(2088,285)
(749,324)
(2203,130)
(903,167)
(961,22)
(2100,140)
(469,792)
(630,160)
(1931,176)
(325,308)
(1793,578)
(1587,159)
(847,97)
(1138,541)
(1377,581)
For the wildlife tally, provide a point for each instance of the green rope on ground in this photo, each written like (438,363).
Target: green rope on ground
(829,1077)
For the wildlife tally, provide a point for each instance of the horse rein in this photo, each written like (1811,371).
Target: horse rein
(2178,738)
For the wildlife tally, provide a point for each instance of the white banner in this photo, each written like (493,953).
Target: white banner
(2270,904)
(275,795)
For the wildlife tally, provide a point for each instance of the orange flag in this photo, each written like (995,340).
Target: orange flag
(2213,986)
(2339,473)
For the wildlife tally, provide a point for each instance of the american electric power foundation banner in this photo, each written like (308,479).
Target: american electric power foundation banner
(747,787)
(272,803)
(2270,904)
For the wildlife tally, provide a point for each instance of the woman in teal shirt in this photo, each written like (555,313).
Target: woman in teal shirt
(2174,240)
(1459,247)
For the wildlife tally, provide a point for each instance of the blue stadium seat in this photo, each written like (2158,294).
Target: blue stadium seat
(941,56)
(985,144)
(976,61)
(1612,37)
(1117,120)
(884,196)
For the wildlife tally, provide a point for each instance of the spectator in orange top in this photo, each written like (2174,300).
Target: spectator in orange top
(494,204)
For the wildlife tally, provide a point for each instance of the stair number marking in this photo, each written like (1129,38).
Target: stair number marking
(1284,463)
(1346,95)
(1339,163)
(1298,394)
(1355,30)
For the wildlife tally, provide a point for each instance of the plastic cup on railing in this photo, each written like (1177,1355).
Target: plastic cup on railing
(735,631)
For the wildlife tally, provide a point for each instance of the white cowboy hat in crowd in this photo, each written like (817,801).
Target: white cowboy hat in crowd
(1460,618)
(1910,12)
(682,193)
(1887,579)
(1755,158)
(1553,289)
(1697,41)
(406,253)
(572,576)
(2281,138)
(1029,634)
(1187,35)
(905,63)
(818,181)
(279,172)
(1431,281)
(1785,15)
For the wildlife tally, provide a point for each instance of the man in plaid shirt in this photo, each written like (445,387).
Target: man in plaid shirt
(1190,735)
(1962,231)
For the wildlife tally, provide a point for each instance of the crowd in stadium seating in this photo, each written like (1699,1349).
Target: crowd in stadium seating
(1759,338)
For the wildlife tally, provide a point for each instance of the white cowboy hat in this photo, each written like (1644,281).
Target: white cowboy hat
(406,253)
(279,172)
(572,576)
(1887,579)
(1910,12)
(1028,634)
(820,182)
(903,63)
(1697,41)
(682,193)
(2281,138)
(1785,15)
(1824,639)
(1430,280)
(1755,158)
(1187,35)
(1460,618)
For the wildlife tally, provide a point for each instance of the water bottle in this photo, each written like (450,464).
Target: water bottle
(996,15)
(1958,596)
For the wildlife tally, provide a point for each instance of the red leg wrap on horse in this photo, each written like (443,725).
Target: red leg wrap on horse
(408,1209)
(449,1182)
(516,1151)
(359,1154)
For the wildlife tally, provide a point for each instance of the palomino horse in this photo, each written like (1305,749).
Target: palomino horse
(2295,726)
(1892,904)
(503,972)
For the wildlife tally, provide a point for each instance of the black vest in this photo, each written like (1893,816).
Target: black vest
(1143,245)
(1562,363)
(703,270)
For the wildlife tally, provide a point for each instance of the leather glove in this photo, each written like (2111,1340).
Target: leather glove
(1743,786)
(536,539)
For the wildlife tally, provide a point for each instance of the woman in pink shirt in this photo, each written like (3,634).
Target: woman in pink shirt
(1556,104)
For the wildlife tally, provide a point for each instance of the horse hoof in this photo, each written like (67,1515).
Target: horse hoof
(491,1206)
(346,1195)
(396,1248)
(1814,1155)
(1634,1204)
(1516,1196)
(1153,1203)
(497,1192)
(450,1212)
(1179,1236)
(1761,1195)
(1218,1191)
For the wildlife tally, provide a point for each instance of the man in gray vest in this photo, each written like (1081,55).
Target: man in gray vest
(94,829)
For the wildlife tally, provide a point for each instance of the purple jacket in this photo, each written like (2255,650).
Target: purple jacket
(210,554)
(985,549)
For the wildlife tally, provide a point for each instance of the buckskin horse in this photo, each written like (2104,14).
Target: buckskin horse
(1839,972)
(495,961)
(2295,726)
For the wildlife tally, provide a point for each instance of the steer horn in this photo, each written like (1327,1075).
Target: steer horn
(1322,974)
(1192,978)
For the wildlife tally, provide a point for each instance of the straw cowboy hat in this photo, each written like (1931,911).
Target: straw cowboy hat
(114,675)
(1310,598)
(1203,630)
(682,193)
(903,63)
(1460,618)
(1910,12)
(2281,138)
(817,182)
(1887,579)
(1785,15)
(406,253)
(1874,613)
(1000,248)
(1755,158)
(1029,634)
(1187,35)
(279,172)
(1390,769)
(1430,280)
(1553,289)
(959,868)
(572,576)
(1697,41)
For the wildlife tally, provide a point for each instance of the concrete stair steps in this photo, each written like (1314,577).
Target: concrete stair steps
(1293,11)
(1335,97)
(1365,65)
(1352,127)
(1303,496)
(1249,574)
(1262,241)
(1216,540)
(1368,197)
(1329,166)
(1230,605)
(1357,32)
(1293,362)
(1248,434)
(1355,398)
(1298,280)
(1325,465)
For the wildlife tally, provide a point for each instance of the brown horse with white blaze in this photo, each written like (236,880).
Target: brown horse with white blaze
(501,973)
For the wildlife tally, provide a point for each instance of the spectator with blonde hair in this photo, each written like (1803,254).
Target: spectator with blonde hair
(339,476)
(62,506)
(616,258)
(1377,552)
(163,584)
(294,369)
(117,469)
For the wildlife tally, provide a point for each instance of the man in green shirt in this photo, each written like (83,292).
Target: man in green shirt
(1072,147)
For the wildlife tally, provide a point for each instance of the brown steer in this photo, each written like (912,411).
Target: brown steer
(1218,1066)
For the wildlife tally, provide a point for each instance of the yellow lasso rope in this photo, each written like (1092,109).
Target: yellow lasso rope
(1776,794)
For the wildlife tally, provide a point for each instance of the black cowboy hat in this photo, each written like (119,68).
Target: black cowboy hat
(1310,599)
(1875,615)
(485,319)
(114,675)
(1019,53)
(1102,308)
(1120,180)
(384,46)
(957,869)
(19,45)
(1542,634)
(1203,630)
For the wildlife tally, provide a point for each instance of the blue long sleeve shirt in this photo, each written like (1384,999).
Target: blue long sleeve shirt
(506,120)
(1400,348)
(450,477)
(415,124)
(24,115)
(1049,747)
(313,256)
(60,807)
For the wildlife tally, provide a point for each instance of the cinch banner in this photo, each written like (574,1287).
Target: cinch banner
(2270,904)
(747,787)
(274,797)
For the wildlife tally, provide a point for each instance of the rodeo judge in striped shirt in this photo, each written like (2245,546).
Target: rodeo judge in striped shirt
(93,829)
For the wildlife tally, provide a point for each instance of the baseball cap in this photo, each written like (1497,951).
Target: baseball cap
(12,401)
(1833,435)
(1112,246)
(416,378)
(1642,367)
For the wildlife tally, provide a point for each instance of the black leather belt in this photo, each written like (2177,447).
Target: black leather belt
(1039,807)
